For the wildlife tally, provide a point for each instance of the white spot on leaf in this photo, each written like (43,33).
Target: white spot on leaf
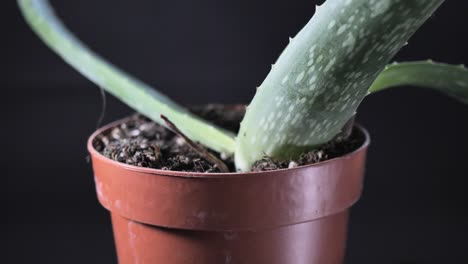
(300,77)
(329,65)
(312,79)
(341,29)
(380,7)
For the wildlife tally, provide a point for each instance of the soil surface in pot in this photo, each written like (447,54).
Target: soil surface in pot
(141,142)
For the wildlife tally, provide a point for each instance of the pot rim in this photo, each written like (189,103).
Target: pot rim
(186,174)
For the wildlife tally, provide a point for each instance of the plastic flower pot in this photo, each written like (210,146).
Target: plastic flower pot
(288,216)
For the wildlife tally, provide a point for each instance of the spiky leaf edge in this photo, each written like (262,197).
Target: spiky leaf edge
(323,74)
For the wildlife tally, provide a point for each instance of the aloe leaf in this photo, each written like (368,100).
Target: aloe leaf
(324,73)
(449,79)
(128,89)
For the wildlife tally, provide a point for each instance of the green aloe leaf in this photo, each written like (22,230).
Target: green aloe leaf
(324,73)
(128,89)
(449,79)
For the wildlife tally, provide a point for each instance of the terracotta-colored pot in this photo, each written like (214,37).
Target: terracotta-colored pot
(290,216)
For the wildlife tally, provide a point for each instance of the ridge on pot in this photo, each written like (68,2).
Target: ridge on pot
(253,217)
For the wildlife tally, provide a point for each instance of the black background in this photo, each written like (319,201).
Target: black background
(413,209)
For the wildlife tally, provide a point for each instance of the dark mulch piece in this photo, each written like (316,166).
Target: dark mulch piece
(141,142)
(228,117)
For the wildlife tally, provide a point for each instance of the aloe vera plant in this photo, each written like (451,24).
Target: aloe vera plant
(314,88)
